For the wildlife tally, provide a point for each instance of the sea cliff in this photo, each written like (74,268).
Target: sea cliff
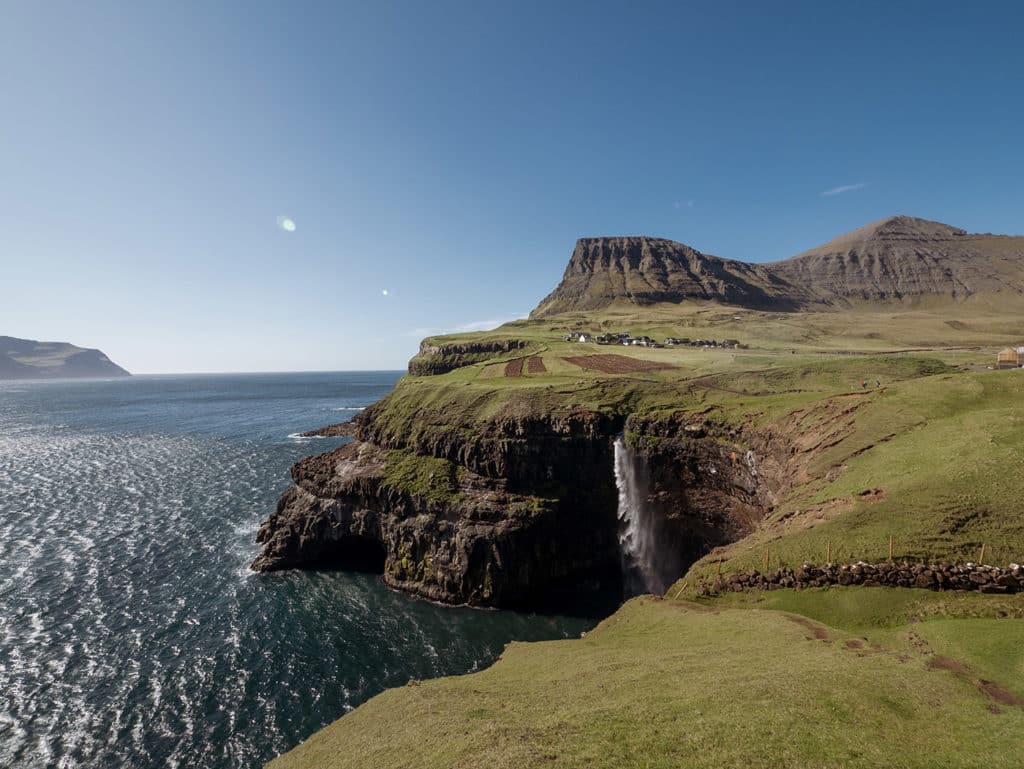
(463,498)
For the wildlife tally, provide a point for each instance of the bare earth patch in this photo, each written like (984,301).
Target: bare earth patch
(616,364)
(999,693)
(938,662)
(514,368)
(535,365)
(821,632)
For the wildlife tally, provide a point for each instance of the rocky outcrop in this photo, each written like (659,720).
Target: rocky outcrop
(434,359)
(517,534)
(712,482)
(518,512)
(939,576)
(337,430)
(900,258)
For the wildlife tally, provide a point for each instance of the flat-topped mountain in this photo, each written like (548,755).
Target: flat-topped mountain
(895,259)
(649,270)
(29,359)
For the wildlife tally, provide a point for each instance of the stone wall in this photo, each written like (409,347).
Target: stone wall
(940,576)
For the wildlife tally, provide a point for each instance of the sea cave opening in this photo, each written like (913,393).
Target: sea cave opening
(361,554)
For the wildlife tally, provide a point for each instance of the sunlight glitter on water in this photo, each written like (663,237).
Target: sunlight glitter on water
(132,632)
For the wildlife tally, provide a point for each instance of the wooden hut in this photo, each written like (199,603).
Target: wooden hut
(1011,357)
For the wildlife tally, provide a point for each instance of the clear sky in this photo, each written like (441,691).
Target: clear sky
(450,153)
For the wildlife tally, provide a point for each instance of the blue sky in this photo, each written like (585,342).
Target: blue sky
(450,153)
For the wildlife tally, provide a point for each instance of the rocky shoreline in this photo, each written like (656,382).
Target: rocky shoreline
(970,577)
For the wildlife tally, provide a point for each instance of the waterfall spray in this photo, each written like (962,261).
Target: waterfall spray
(638,527)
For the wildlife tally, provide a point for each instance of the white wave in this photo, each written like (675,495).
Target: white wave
(300,438)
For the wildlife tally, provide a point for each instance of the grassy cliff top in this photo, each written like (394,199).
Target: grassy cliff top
(839,678)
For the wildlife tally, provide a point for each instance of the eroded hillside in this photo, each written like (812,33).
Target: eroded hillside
(898,259)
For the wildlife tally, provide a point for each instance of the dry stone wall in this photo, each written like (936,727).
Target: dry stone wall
(972,577)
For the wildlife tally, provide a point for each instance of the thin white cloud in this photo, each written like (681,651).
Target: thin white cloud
(678,204)
(844,188)
(476,325)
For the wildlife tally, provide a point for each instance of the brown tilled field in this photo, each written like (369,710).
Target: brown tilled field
(535,365)
(616,364)
(514,367)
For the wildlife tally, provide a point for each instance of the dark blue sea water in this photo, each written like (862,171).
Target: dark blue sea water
(132,633)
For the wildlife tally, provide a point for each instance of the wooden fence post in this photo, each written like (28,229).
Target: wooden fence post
(890,547)
(981,558)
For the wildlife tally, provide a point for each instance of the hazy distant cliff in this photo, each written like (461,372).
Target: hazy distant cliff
(29,359)
(897,258)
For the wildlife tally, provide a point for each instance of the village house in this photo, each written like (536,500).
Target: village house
(1011,357)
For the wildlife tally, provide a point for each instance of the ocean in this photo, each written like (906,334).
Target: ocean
(132,633)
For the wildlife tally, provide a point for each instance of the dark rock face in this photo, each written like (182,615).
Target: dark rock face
(528,513)
(485,542)
(942,576)
(712,483)
(29,359)
(895,259)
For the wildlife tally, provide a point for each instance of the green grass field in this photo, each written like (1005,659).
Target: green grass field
(815,679)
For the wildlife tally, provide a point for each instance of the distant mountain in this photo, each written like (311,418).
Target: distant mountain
(902,257)
(896,259)
(29,359)
(648,270)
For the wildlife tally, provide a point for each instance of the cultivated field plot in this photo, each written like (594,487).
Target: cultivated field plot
(536,365)
(616,364)
(514,367)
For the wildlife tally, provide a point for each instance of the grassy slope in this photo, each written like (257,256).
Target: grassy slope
(944,450)
(667,684)
(737,681)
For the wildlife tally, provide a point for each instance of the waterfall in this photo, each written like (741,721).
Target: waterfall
(644,570)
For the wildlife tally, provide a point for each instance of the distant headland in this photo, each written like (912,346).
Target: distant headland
(29,359)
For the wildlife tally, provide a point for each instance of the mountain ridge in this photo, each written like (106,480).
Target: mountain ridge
(898,258)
